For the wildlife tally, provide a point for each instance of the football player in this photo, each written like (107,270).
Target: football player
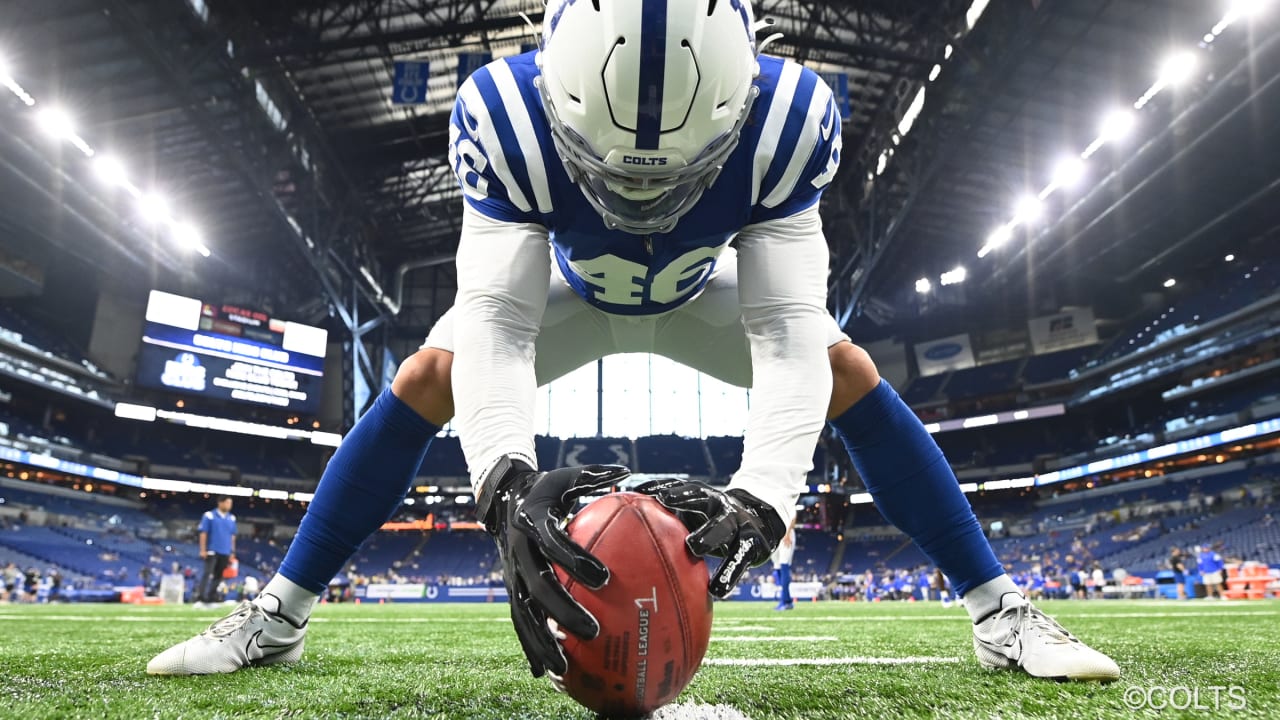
(671,173)
(782,556)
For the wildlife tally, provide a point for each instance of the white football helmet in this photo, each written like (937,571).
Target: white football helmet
(647,100)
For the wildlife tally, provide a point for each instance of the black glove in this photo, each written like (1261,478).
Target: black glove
(524,510)
(733,524)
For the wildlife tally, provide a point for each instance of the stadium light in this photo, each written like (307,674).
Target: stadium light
(997,239)
(1248,8)
(975,12)
(1229,258)
(923,286)
(1116,125)
(129,411)
(110,170)
(56,123)
(954,277)
(190,238)
(1178,68)
(154,208)
(1028,210)
(1068,172)
(1170,283)
(935,72)
(17,89)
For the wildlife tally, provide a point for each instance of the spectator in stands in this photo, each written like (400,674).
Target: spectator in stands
(249,588)
(12,580)
(1077,577)
(1099,580)
(217,545)
(939,583)
(1178,566)
(55,583)
(29,583)
(1210,566)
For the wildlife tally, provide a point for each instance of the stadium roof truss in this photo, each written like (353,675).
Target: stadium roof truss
(272,124)
(1031,86)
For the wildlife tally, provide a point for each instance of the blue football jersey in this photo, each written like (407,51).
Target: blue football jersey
(502,153)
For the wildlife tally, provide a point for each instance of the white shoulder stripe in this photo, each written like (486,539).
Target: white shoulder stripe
(783,94)
(523,125)
(819,104)
(492,145)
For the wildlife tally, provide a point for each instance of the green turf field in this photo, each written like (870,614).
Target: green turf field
(462,661)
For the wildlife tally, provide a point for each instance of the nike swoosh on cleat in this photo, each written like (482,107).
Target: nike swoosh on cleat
(257,640)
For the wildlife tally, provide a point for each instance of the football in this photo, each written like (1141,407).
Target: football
(654,613)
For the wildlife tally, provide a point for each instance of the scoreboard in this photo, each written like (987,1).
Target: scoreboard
(231,353)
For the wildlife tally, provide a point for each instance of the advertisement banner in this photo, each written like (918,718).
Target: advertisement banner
(949,353)
(418,592)
(772,592)
(1063,331)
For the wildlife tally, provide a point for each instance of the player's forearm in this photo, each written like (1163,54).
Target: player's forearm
(782,281)
(204,543)
(791,389)
(503,275)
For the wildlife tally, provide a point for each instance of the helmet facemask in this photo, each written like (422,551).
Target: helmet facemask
(636,199)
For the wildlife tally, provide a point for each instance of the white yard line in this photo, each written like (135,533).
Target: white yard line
(697,711)
(209,618)
(1074,616)
(786,662)
(774,638)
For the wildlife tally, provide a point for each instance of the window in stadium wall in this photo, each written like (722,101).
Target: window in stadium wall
(567,407)
(643,395)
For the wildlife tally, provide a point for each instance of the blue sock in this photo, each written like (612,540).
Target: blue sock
(914,487)
(784,581)
(362,487)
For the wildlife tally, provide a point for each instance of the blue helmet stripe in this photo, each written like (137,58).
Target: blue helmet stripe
(653,70)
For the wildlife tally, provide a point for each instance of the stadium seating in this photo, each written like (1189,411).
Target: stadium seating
(462,555)
(444,459)
(548,451)
(385,552)
(1055,366)
(921,390)
(726,454)
(984,380)
(671,454)
(39,336)
(1241,287)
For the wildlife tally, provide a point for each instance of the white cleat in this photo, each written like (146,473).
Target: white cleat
(1020,636)
(248,636)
